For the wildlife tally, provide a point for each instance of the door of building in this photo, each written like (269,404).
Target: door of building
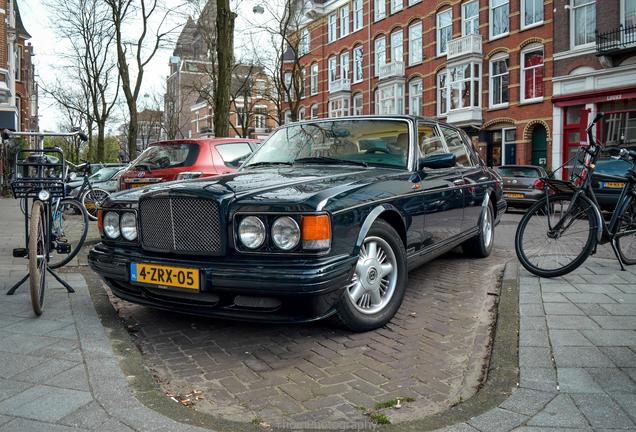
(539,146)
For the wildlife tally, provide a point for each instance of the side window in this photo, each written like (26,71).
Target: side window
(456,145)
(429,141)
(472,151)
(233,153)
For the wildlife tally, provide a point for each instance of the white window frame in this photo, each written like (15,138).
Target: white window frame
(412,2)
(504,143)
(18,65)
(396,5)
(301,113)
(441,93)
(475,85)
(358,73)
(358,109)
(397,46)
(522,77)
(344,65)
(491,84)
(396,98)
(491,18)
(379,10)
(313,113)
(313,84)
(624,12)
(344,21)
(415,44)
(379,60)
(466,20)
(533,3)
(288,86)
(304,42)
(342,107)
(332,30)
(303,82)
(332,69)
(358,15)
(415,98)
(573,10)
(287,118)
(439,30)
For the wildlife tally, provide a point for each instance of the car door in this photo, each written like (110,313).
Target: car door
(442,201)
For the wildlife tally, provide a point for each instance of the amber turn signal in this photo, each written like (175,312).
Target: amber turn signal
(100,220)
(316,232)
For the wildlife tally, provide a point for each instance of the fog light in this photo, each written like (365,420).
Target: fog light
(111,225)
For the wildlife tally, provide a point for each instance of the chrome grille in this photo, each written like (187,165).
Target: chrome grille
(181,225)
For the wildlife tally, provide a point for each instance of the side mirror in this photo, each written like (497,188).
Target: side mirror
(443,160)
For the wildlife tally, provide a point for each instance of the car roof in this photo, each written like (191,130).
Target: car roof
(212,141)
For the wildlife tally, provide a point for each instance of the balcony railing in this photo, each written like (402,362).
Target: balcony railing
(616,41)
(466,45)
(465,116)
(342,84)
(393,69)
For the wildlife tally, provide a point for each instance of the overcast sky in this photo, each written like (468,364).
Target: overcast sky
(47,47)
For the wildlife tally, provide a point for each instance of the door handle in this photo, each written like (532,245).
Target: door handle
(458,182)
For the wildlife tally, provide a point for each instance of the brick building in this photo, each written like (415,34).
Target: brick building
(594,70)
(483,65)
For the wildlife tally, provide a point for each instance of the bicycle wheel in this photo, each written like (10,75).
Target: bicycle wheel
(92,200)
(551,240)
(70,226)
(626,243)
(37,256)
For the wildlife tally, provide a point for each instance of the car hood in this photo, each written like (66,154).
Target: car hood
(312,185)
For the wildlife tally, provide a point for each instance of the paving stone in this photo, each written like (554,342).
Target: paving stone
(570,322)
(461,427)
(10,387)
(576,380)
(568,338)
(623,298)
(561,309)
(535,338)
(580,357)
(532,323)
(597,289)
(589,298)
(611,337)
(44,403)
(557,288)
(592,309)
(538,378)
(24,425)
(622,357)
(602,412)
(12,364)
(534,357)
(616,322)
(74,378)
(554,297)
(91,416)
(497,420)
(620,309)
(527,401)
(628,402)
(43,371)
(531,309)
(613,380)
(560,412)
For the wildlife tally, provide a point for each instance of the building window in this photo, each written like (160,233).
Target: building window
(259,88)
(464,86)
(380,54)
(499,81)
(397,46)
(301,114)
(18,106)
(358,103)
(331,30)
(344,66)
(499,18)
(379,7)
(313,85)
(288,86)
(288,117)
(260,114)
(442,93)
(18,64)
(396,5)
(532,74)
(412,2)
(504,149)
(531,12)
(628,13)
(583,22)
(314,111)
(344,20)
(339,107)
(303,82)
(444,30)
(470,18)
(304,42)
(415,96)
(415,43)
(357,64)
(358,20)
(332,69)
(391,99)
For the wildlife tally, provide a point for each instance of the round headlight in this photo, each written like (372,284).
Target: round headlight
(111,225)
(128,226)
(251,231)
(285,233)
(44,195)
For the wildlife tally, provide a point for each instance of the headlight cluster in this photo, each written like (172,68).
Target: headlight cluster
(284,232)
(120,225)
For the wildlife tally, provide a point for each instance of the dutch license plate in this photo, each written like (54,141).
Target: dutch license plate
(614,185)
(515,195)
(165,276)
(137,185)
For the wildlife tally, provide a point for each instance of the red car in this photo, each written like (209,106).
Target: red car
(165,161)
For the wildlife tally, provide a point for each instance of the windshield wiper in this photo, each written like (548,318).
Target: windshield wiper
(257,164)
(329,160)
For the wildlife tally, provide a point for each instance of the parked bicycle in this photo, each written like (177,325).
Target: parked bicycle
(558,233)
(90,197)
(55,226)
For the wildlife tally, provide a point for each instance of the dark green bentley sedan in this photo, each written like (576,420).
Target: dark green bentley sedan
(325,219)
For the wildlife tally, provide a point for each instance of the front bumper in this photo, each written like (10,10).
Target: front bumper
(251,289)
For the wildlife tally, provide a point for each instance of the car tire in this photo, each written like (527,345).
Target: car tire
(481,245)
(378,295)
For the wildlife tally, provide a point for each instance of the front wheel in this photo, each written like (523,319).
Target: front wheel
(92,199)
(553,239)
(69,229)
(626,234)
(481,245)
(378,283)
(37,256)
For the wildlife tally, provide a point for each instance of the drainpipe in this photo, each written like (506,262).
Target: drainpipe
(369,53)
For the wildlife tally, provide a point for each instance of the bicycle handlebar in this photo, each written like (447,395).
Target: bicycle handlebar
(6,133)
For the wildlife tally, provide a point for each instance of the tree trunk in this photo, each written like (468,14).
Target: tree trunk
(101,132)
(224,51)
(133,127)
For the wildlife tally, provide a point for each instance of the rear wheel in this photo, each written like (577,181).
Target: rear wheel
(92,200)
(37,256)
(627,243)
(551,240)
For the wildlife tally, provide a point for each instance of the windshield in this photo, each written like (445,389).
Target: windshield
(526,172)
(372,142)
(612,167)
(104,174)
(167,156)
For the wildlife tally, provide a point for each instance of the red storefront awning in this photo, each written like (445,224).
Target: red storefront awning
(595,97)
